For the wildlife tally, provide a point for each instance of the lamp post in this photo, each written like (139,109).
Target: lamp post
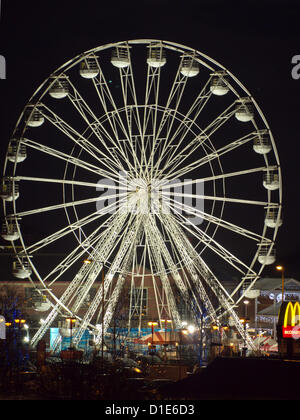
(165,345)
(152,325)
(281,269)
(169,321)
(246,303)
(171,330)
(19,323)
(165,321)
(215,335)
(244,322)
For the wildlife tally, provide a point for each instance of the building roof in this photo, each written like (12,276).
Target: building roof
(271,310)
(275,283)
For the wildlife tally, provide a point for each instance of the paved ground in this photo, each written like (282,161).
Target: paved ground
(239,379)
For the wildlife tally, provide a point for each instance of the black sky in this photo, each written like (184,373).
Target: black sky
(255,40)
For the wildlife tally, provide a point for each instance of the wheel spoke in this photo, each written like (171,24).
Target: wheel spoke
(72,160)
(212,244)
(80,140)
(222,199)
(64,205)
(186,154)
(70,182)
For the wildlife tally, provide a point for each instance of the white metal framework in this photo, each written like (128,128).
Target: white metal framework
(153,161)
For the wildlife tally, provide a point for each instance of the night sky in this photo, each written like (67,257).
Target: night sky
(256,43)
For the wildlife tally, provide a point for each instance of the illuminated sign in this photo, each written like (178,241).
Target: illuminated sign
(291,321)
(2,327)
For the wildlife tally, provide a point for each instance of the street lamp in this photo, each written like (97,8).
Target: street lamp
(20,321)
(169,321)
(191,329)
(246,303)
(165,346)
(152,324)
(281,268)
(165,321)
(244,322)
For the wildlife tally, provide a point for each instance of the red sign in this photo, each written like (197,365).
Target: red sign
(291,332)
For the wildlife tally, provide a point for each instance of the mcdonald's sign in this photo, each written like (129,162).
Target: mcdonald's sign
(290,320)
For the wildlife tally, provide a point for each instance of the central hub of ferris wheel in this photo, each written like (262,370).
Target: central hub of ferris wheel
(146,195)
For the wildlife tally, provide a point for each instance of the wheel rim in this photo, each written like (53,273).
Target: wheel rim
(192,142)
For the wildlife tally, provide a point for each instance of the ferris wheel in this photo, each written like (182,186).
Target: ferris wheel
(152,162)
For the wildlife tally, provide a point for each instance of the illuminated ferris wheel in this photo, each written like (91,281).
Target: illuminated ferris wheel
(151,161)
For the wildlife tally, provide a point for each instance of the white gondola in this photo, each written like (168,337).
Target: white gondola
(271,218)
(244,110)
(189,67)
(10,231)
(43,305)
(9,190)
(35,118)
(89,68)
(16,151)
(218,85)
(120,57)
(266,256)
(21,269)
(59,89)
(262,143)
(156,56)
(252,294)
(271,180)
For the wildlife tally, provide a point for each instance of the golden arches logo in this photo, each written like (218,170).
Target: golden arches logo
(291,321)
(292,314)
